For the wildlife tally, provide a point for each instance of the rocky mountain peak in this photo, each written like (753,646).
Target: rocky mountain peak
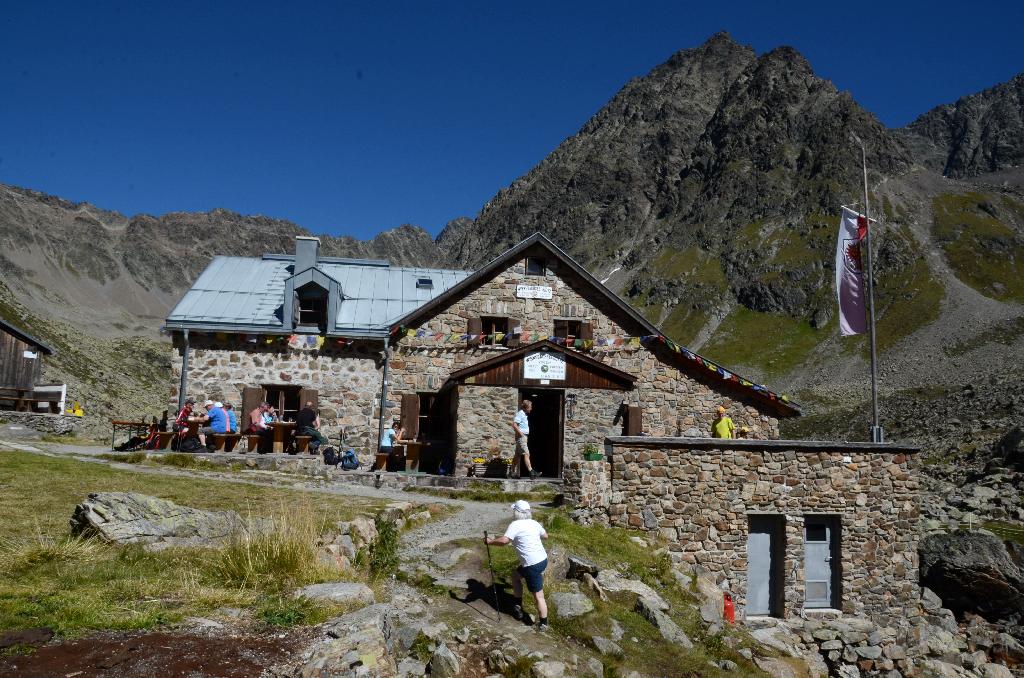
(980,133)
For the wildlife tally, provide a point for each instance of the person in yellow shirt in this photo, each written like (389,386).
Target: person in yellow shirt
(722,426)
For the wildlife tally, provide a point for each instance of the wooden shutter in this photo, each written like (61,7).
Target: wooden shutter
(308,395)
(474,326)
(634,420)
(512,339)
(410,415)
(252,396)
(586,331)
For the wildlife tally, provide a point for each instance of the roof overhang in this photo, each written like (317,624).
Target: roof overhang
(623,379)
(27,338)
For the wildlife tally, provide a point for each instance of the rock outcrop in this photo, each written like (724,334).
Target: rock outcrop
(983,132)
(129,518)
(972,572)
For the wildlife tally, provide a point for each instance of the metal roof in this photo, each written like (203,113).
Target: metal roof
(247,294)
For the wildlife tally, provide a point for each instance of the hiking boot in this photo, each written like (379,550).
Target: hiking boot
(517,613)
(533,475)
(542,625)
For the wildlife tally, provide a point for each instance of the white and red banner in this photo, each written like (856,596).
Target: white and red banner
(851,286)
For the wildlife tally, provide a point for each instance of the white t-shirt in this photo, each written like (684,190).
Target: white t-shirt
(525,535)
(522,422)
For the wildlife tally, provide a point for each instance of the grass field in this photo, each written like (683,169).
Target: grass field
(49,579)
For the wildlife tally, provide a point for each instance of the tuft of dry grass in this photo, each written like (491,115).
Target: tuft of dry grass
(282,556)
(20,553)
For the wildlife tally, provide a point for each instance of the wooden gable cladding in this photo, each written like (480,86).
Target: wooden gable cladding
(581,371)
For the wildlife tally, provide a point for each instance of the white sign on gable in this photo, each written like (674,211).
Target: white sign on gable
(533,292)
(543,365)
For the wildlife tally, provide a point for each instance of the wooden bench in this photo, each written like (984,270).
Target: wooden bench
(302,444)
(381,462)
(252,442)
(164,439)
(25,399)
(225,442)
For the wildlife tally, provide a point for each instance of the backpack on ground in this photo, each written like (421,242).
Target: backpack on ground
(189,445)
(349,460)
(331,456)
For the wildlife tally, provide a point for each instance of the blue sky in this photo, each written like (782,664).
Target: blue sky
(351,118)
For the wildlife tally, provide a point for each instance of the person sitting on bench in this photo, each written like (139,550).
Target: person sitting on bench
(258,426)
(308,424)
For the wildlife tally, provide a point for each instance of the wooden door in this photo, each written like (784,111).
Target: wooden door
(410,415)
(308,395)
(252,396)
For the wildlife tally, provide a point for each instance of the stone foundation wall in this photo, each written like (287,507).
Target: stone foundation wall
(347,381)
(58,424)
(699,495)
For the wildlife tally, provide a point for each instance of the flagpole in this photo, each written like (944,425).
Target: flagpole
(877,434)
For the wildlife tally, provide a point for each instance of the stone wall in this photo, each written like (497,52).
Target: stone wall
(674,402)
(485,422)
(590,421)
(698,494)
(348,382)
(58,424)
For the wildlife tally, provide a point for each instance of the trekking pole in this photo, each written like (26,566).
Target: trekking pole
(494,585)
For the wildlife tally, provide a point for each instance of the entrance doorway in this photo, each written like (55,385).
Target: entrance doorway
(821,561)
(766,553)
(546,433)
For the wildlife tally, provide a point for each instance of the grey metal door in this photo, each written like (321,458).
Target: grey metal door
(819,533)
(764,565)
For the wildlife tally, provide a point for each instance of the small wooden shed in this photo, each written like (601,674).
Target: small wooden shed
(21,358)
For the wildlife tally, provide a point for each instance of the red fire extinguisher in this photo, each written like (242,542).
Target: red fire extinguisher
(728,608)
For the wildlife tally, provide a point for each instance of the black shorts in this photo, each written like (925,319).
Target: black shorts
(533,575)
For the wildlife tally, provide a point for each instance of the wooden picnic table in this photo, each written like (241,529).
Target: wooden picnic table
(23,399)
(282,431)
(132,427)
(413,450)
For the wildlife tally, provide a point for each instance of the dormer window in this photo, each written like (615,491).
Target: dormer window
(311,308)
(424,284)
(536,266)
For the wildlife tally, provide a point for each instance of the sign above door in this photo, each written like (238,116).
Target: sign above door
(544,365)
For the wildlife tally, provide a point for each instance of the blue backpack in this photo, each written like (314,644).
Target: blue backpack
(349,460)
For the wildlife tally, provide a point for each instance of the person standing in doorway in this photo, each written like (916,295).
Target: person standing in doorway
(521,425)
(526,534)
(722,426)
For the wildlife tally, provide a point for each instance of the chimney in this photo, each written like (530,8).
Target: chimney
(306,249)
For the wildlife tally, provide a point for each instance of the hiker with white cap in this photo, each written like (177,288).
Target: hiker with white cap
(526,534)
(216,422)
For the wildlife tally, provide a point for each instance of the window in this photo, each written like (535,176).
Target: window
(312,307)
(491,326)
(424,284)
(536,266)
(567,328)
(285,399)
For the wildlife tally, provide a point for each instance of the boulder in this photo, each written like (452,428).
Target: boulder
(444,663)
(446,560)
(579,566)
(994,671)
(361,653)
(130,518)
(344,593)
(670,631)
(612,581)
(973,572)
(569,605)
(605,646)
(411,668)
(547,669)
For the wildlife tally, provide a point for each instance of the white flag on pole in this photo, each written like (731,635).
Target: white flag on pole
(850,285)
